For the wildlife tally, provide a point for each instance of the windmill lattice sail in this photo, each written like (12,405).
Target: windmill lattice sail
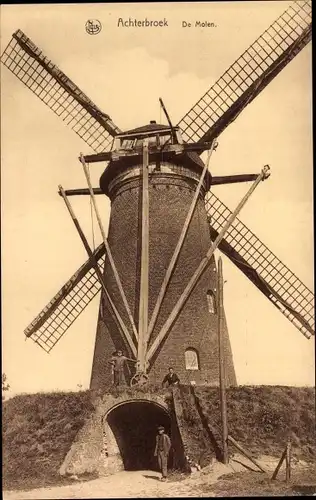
(26,61)
(59,314)
(248,75)
(285,290)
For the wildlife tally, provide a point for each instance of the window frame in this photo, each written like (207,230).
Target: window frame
(197,364)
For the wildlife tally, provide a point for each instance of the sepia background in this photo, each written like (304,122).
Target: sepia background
(124,71)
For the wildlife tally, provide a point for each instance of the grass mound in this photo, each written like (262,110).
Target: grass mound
(38,429)
(37,432)
(262,417)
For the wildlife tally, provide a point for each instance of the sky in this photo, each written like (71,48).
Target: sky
(125,71)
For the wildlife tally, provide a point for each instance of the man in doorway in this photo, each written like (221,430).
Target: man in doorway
(171,378)
(118,362)
(162,449)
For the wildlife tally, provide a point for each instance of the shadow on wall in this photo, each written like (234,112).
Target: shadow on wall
(134,426)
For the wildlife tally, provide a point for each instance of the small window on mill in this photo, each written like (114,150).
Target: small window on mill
(211,301)
(191,359)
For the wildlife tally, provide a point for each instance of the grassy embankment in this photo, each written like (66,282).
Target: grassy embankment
(39,429)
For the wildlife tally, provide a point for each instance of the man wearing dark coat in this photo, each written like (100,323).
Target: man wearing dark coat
(162,449)
(171,378)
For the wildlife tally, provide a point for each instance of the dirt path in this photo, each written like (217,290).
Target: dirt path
(146,484)
(138,484)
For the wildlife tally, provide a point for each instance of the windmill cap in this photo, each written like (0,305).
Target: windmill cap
(152,121)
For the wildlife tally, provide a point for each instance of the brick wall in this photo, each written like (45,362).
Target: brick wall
(169,200)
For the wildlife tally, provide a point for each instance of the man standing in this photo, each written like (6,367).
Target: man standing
(163,445)
(171,378)
(118,362)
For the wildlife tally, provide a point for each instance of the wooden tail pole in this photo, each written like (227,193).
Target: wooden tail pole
(107,248)
(203,266)
(97,270)
(244,452)
(179,245)
(222,378)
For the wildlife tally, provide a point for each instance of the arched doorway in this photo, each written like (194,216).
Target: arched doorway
(134,425)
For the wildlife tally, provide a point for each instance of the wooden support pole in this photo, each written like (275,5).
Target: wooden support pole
(179,245)
(222,378)
(244,452)
(107,248)
(98,271)
(278,467)
(144,272)
(288,461)
(202,267)
(166,113)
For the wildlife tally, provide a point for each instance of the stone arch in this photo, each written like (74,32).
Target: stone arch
(96,448)
(130,429)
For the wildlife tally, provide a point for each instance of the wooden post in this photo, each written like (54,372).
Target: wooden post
(288,461)
(244,452)
(144,272)
(107,248)
(202,267)
(97,270)
(166,113)
(222,378)
(278,467)
(179,245)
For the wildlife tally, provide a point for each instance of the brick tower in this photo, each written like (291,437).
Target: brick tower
(191,346)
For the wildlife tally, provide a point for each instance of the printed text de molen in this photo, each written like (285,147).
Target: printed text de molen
(198,24)
(148,23)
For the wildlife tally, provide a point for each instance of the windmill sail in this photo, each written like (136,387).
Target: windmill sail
(285,290)
(248,75)
(26,61)
(59,314)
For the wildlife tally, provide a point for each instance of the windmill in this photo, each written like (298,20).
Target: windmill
(193,330)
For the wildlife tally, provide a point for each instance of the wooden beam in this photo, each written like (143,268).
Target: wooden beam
(98,271)
(107,248)
(179,245)
(97,157)
(144,272)
(166,113)
(222,378)
(81,192)
(246,453)
(202,267)
(278,467)
(173,132)
(232,179)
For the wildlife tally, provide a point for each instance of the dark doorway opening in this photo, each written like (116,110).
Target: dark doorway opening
(134,425)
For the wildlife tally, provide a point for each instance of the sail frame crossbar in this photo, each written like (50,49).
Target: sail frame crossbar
(279,283)
(248,75)
(26,61)
(61,312)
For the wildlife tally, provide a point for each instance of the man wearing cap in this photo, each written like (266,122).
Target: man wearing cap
(118,363)
(163,445)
